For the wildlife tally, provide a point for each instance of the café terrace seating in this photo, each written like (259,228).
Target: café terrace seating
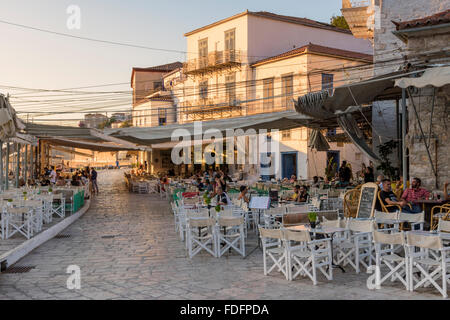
(292,247)
(24,211)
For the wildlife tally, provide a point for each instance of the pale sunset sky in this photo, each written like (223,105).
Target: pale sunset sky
(34,59)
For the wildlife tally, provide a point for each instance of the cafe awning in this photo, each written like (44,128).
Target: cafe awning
(284,120)
(155,135)
(328,103)
(436,77)
(83,138)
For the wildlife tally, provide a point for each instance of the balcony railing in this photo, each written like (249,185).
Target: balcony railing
(215,60)
(212,109)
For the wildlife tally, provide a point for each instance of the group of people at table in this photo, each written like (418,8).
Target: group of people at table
(80,177)
(409,197)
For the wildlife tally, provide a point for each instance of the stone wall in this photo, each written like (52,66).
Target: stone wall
(440,130)
(418,158)
(388,47)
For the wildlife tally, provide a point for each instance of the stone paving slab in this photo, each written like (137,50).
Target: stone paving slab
(143,258)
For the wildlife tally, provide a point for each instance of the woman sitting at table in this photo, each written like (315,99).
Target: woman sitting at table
(243,194)
(222,197)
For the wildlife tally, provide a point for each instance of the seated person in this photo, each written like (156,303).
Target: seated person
(389,198)
(75,181)
(293,179)
(222,197)
(21,182)
(208,186)
(200,185)
(316,183)
(243,195)
(342,183)
(61,182)
(303,195)
(296,193)
(415,193)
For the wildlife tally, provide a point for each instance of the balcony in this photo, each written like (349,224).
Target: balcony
(360,16)
(210,109)
(216,60)
(219,108)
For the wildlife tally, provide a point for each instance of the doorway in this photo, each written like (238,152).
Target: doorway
(288,164)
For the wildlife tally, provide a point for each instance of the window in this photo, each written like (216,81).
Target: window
(230,45)
(157,85)
(331,132)
(287,87)
(203,52)
(268,94)
(162,117)
(327,81)
(286,135)
(230,87)
(203,89)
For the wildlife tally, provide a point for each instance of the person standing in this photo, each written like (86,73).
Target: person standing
(53,176)
(94,181)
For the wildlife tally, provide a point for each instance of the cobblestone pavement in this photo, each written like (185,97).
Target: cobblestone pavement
(127,248)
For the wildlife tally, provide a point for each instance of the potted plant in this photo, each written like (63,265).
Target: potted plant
(50,190)
(312,217)
(217,207)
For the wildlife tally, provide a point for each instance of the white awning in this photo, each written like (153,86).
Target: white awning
(154,135)
(436,77)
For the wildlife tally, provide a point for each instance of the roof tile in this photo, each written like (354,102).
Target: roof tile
(314,48)
(438,18)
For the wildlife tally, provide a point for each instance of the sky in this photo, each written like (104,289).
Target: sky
(34,59)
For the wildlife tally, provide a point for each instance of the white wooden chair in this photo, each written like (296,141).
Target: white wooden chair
(143,187)
(59,205)
(18,220)
(444,226)
(381,215)
(357,249)
(432,268)
(307,256)
(386,254)
(273,248)
(40,213)
(233,236)
(47,204)
(200,240)
(414,219)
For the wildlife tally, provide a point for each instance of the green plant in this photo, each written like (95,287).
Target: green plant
(10,200)
(339,21)
(385,150)
(330,170)
(50,190)
(312,216)
(217,207)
